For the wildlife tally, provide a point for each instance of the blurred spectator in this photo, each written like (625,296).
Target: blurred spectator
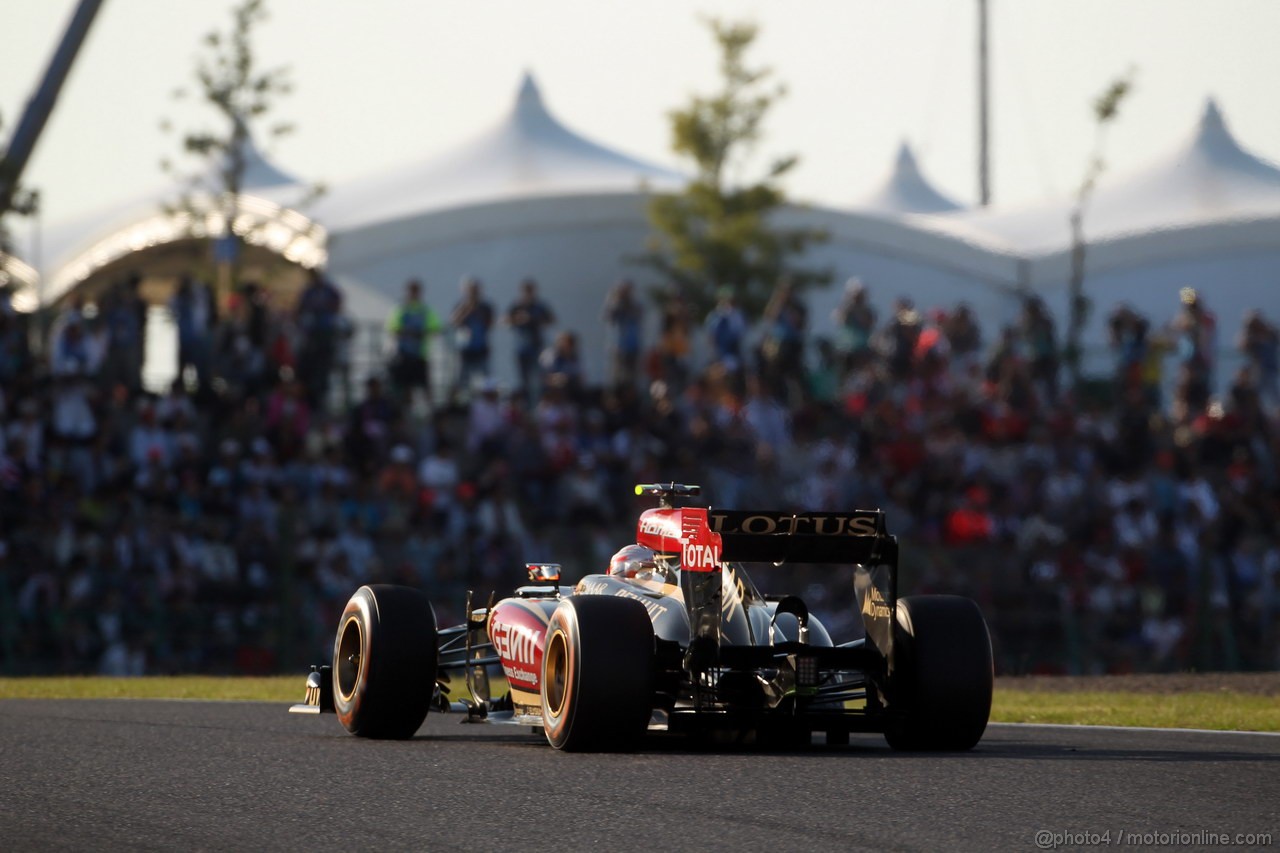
(149,441)
(932,350)
(472,318)
(195,314)
(855,321)
(370,429)
(125,317)
(625,317)
(562,365)
(15,348)
(76,352)
(898,338)
(288,419)
(1037,331)
(528,318)
(487,421)
(964,335)
(25,434)
(786,322)
(1139,352)
(320,327)
(398,488)
(1259,341)
(669,358)
(499,514)
(584,503)
(440,477)
(240,352)
(413,325)
(726,329)
(766,417)
(1196,331)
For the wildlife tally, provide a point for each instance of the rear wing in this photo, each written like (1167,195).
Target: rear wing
(705,539)
(859,537)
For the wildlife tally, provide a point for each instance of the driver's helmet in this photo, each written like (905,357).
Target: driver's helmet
(633,561)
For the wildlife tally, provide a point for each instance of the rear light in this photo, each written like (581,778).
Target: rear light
(806,671)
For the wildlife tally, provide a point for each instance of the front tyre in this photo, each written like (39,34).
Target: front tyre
(940,690)
(597,674)
(384,662)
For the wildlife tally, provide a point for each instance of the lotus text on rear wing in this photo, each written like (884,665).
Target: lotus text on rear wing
(789,524)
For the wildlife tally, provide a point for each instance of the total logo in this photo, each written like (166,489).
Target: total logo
(700,558)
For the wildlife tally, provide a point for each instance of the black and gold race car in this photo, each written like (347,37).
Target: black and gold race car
(675,638)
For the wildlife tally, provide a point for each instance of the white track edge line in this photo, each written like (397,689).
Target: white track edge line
(1088,728)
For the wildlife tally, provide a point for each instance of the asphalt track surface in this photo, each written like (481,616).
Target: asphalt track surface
(152,775)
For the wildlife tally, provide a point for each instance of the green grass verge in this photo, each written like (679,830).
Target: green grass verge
(1198,710)
(276,688)
(1224,709)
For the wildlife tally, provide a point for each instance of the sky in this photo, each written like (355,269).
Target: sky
(384,83)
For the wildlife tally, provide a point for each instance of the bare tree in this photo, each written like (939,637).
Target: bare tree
(1105,109)
(242,95)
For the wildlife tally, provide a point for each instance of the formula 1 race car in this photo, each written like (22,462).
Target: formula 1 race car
(676,638)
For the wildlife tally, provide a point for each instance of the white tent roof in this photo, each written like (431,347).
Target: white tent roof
(1207,180)
(906,191)
(261,178)
(77,247)
(527,153)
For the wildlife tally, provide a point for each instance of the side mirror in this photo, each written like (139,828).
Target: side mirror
(543,572)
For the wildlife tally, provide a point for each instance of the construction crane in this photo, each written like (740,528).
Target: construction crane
(37,111)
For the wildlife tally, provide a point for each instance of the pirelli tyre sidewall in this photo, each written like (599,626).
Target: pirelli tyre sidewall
(597,674)
(385,662)
(940,690)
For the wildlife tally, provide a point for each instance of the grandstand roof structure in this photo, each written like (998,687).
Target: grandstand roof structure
(77,249)
(530,197)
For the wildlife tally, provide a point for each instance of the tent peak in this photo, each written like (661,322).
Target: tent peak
(1213,145)
(906,158)
(529,97)
(1213,137)
(907,190)
(1212,114)
(529,87)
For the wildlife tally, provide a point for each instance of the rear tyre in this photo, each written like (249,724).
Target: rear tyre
(384,662)
(597,674)
(940,690)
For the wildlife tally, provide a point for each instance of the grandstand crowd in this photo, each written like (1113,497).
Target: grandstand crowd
(1127,523)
